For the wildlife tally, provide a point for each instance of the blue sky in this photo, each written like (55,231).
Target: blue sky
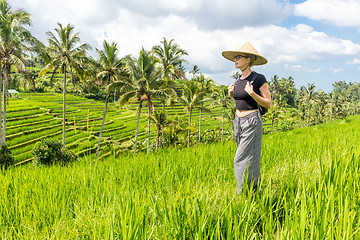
(313,41)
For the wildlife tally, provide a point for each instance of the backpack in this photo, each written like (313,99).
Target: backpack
(262,109)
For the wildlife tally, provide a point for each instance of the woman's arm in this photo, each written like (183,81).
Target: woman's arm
(265,98)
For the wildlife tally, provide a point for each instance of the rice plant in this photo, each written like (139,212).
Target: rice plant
(309,190)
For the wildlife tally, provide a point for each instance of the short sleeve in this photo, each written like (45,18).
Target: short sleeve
(260,80)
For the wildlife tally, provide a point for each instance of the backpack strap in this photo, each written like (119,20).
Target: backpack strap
(253,77)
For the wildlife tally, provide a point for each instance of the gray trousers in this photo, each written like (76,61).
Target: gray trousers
(248,132)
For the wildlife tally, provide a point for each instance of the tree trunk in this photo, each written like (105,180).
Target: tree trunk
(158,140)
(200,125)
(5,96)
(222,125)
(64,109)
(162,137)
(189,127)
(1,78)
(52,77)
(331,112)
(137,127)
(102,125)
(148,138)
(308,116)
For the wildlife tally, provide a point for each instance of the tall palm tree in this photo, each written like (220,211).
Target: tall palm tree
(109,69)
(65,54)
(15,42)
(170,57)
(223,99)
(143,84)
(206,87)
(274,86)
(191,98)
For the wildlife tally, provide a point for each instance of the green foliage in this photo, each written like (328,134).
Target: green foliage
(93,91)
(351,91)
(6,160)
(50,151)
(283,90)
(41,86)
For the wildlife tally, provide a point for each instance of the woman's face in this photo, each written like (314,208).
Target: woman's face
(241,61)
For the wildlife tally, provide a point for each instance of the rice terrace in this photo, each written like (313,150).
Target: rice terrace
(98,146)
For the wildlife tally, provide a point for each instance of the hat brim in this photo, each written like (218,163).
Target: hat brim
(230,55)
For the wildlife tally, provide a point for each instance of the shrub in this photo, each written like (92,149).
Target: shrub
(6,160)
(50,151)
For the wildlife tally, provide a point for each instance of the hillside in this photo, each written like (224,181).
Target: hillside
(32,117)
(309,190)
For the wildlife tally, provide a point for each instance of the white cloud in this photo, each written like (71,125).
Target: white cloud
(208,14)
(301,42)
(204,29)
(354,61)
(336,70)
(301,68)
(343,13)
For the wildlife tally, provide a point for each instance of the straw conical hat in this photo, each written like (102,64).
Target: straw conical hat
(247,49)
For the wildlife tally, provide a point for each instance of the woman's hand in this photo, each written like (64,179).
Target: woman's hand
(264,99)
(249,88)
(231,89)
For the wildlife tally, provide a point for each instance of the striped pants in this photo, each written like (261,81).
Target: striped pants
(248,136)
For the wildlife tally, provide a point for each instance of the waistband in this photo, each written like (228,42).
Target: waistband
(250,115)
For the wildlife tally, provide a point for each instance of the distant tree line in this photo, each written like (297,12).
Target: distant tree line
(309,105)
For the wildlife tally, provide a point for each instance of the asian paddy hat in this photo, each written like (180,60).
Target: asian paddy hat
(248,50)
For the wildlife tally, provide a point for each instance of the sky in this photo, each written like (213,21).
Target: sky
(312,41)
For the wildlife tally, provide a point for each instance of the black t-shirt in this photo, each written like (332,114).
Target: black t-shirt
(243,100)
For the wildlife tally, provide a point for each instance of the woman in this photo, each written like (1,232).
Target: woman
(249,91)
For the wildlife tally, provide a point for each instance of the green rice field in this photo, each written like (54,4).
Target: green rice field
(33,117)
(309,190)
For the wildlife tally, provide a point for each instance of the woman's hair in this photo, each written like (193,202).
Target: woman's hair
(252,59)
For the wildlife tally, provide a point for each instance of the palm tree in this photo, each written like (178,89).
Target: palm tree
(109,69)
(206,87)
(321,102)
(174,130)
(160,120)
(283,90)
(307,98)
(236,75)
(195,70)
(191,97)
(335,105)
(274,86)
(143,84)
(170,58)
(64,54)
(15,42)
(223,99)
